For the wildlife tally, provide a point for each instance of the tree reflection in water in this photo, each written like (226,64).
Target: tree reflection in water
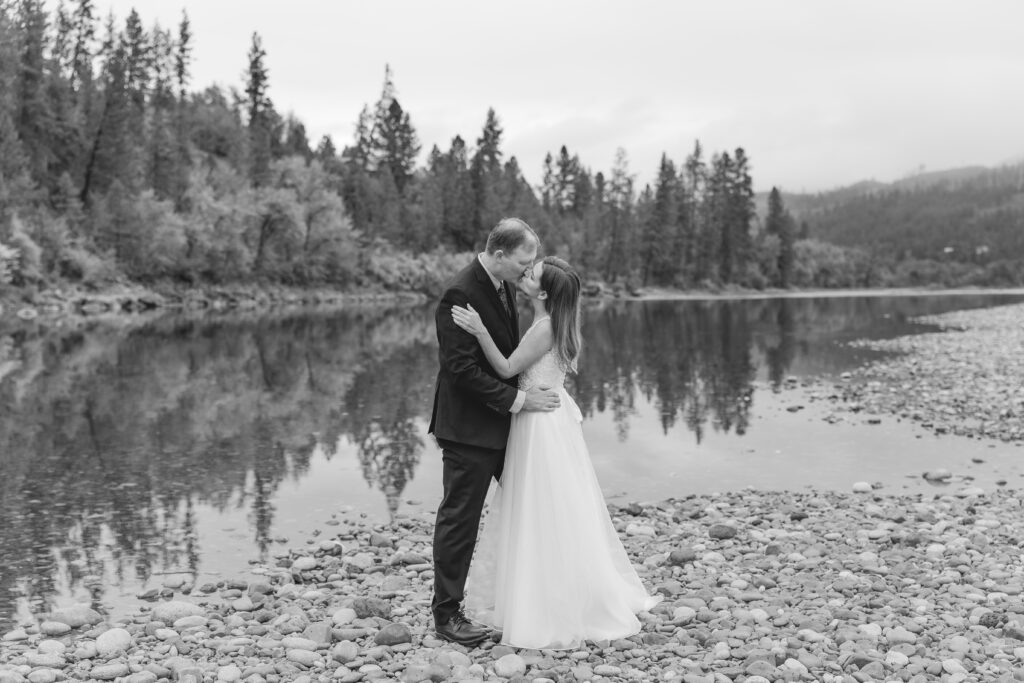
(110,438)
(693,363)
(114,439)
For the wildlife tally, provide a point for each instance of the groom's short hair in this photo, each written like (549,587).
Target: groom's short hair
(510,234)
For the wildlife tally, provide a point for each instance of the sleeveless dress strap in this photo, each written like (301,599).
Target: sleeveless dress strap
(530,329)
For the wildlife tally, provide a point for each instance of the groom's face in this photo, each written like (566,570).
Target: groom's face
(515,265)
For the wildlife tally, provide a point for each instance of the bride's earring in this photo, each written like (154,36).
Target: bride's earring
(542,296)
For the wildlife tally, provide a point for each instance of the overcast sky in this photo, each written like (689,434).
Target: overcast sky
(819,94)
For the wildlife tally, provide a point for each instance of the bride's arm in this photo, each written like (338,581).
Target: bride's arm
(530,349)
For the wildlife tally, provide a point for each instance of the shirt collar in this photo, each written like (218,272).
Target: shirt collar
(494,281)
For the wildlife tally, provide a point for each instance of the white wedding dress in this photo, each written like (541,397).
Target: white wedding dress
(549,569)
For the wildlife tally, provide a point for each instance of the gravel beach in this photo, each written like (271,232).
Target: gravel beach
(759,586)
(967,379)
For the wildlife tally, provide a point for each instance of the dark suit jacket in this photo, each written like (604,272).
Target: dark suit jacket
(471,402)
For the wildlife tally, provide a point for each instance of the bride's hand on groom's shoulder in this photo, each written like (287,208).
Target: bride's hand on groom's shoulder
(468,319)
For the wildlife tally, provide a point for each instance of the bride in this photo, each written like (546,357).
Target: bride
(549,570)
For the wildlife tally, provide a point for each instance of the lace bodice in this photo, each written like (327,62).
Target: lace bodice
(547,371)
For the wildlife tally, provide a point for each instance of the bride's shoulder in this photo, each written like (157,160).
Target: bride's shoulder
(540,325)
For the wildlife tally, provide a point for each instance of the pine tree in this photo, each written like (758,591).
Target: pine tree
(183,56)
(547,188)
(295,140)
(486,176)
(459,218)
(84,29)
(741,212)
(618,260)
(567,170)
(258,101)
(780,224)
(393,142)
(12,158)
(660,265)
(33,120)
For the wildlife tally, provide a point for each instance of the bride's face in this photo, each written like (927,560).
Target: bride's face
(529,284)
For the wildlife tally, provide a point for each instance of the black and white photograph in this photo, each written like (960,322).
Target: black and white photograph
(574,341)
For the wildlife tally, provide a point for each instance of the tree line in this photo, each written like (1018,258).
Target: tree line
(964,226)
(112,168)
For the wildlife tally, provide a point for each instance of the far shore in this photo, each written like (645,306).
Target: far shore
(133,300)
(666,294)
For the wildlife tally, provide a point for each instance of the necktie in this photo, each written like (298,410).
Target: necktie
(504,299)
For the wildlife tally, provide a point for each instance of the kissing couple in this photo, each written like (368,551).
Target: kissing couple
(549,570)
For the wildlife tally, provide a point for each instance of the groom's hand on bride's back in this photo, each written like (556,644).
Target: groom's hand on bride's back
(541,399)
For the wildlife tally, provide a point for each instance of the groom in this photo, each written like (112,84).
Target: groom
(473,409)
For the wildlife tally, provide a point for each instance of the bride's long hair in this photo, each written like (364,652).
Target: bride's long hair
(562,284)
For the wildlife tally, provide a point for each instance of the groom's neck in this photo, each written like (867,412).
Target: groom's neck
(487,260)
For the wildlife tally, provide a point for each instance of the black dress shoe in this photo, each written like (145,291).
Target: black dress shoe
(460,630)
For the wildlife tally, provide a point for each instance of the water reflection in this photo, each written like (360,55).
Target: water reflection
(692,361)
(112,438)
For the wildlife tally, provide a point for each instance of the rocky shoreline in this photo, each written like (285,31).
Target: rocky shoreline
(758,586)
(964,379)
(131,300)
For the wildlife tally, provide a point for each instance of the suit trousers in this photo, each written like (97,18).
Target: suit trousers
(466,478)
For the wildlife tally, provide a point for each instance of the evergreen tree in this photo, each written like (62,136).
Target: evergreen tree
(701,246)
(486,173)
(33,121)
(13,176)
(780,224)
(183,55)
(660,264)
(547,188)
(741,214)
(295,141)
(618,260)
(567,169)
(459,209)
(257,84)
(394,145)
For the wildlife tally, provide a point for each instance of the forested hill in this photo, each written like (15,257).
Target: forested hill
(972,214)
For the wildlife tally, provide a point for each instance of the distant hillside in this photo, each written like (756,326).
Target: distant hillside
(964,214)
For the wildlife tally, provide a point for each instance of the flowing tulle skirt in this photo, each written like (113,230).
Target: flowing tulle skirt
(549,569)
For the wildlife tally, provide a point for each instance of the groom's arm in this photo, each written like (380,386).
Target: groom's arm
(459,357)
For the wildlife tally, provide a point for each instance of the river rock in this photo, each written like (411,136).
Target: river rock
(721,531)
(51,647)
(169,612)
(304,657)
(343,616)
(229,674)
(393,634)
(371,607)
(76,616)
(295,643)
(194,621)
(113,642)
(509,666)
(345,652)
(304,564)
(681,556)
(143,677)
(108,672)
(54,661)
(54,628)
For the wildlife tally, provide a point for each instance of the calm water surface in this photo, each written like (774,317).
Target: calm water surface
(190,446)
